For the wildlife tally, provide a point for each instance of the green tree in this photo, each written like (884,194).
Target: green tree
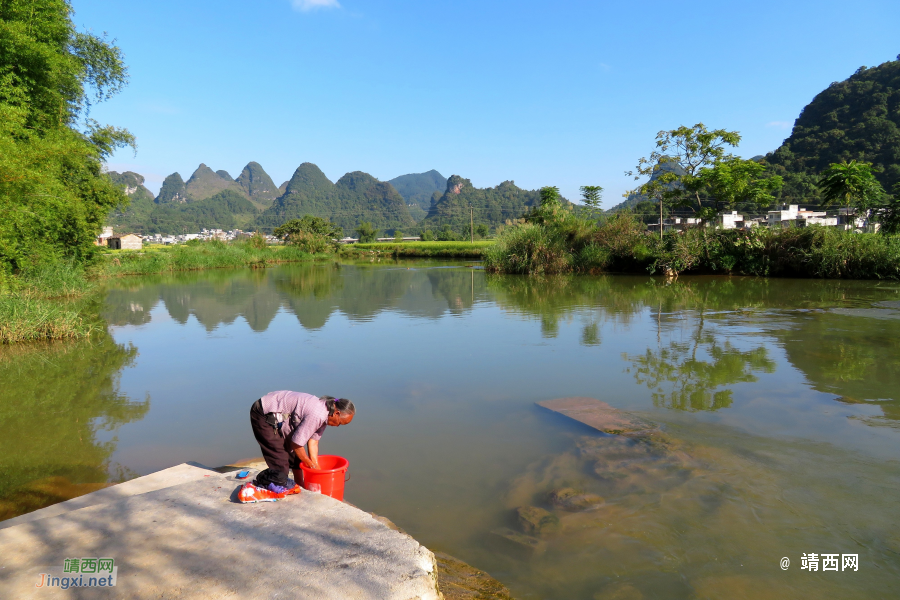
(482,230)
(309,224)
(736,181)
(53,195)
(592,196)
(851,184)
(889,212)
(366,232)
(691,149)
(660,188)
(550,208)
(446,234)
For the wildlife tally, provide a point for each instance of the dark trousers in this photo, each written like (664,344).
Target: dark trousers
(275,450)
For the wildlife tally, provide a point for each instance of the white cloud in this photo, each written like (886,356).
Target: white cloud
(780,124)
(308,5)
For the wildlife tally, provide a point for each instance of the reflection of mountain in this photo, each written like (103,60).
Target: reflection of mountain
(312,292)
(53,401)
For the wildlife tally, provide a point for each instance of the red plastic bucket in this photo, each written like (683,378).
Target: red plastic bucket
(328,480)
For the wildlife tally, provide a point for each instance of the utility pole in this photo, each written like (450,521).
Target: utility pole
(472,223)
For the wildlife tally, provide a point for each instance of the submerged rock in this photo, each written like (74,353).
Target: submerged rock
(535,521)
(619,591)
(515,544)
(460,581)
(600,416)
(574,500)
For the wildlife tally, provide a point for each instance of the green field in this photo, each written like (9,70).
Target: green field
(428,249)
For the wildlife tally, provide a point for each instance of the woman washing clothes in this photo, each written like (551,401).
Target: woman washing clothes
(284,423)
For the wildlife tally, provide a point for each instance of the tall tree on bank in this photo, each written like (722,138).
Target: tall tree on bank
(851,184)
(53,194)
(592,197)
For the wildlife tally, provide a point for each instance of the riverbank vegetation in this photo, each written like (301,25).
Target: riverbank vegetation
(691,171)
(427,249)
(622,243)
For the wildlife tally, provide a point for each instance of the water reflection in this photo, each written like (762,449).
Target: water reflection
(54,402)
(694,375)
(311,292)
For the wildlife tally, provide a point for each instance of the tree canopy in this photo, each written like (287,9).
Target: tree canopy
(54,197)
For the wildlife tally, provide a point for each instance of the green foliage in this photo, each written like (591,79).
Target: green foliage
(531,249)
(852,184)
(366,232)
(855,119)
(735,181)
(309,224)
(446,234)
(427,235)
(592,197)
(53,196)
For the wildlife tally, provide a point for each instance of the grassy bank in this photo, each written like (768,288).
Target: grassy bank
(428,249)
(193,257)
(47,303)
(622,244)
(58,302)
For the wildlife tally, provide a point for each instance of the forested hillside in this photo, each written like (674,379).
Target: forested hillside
(417,189)
(356,197)
(490,206)
(858,118)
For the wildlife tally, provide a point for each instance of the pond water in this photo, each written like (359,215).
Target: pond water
(779,401)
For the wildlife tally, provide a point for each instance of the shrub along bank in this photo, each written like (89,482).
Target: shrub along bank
(622,244)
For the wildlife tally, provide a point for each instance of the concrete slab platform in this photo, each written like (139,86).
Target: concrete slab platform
(191,540)
(141,485)
(601,416)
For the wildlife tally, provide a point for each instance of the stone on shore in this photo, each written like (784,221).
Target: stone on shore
(536,521)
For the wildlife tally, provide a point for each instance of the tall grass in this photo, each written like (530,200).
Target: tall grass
(43,304)
(192,257)
(622,244)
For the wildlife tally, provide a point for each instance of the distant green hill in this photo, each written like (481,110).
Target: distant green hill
(858,118)
(172,190)
(418,188)
(257,185)
(206,183)
(356,197)
(491,206)
(131,218)
(227,209)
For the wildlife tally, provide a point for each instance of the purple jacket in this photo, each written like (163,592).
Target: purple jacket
(306,415)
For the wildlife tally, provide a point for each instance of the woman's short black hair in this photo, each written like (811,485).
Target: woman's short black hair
(343,405)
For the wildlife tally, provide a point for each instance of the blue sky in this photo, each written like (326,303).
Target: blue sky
(543,93)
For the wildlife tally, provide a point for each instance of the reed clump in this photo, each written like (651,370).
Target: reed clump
(621,243)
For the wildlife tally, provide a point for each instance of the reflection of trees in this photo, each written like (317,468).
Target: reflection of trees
(690,376)
(854,358)
(53,401)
